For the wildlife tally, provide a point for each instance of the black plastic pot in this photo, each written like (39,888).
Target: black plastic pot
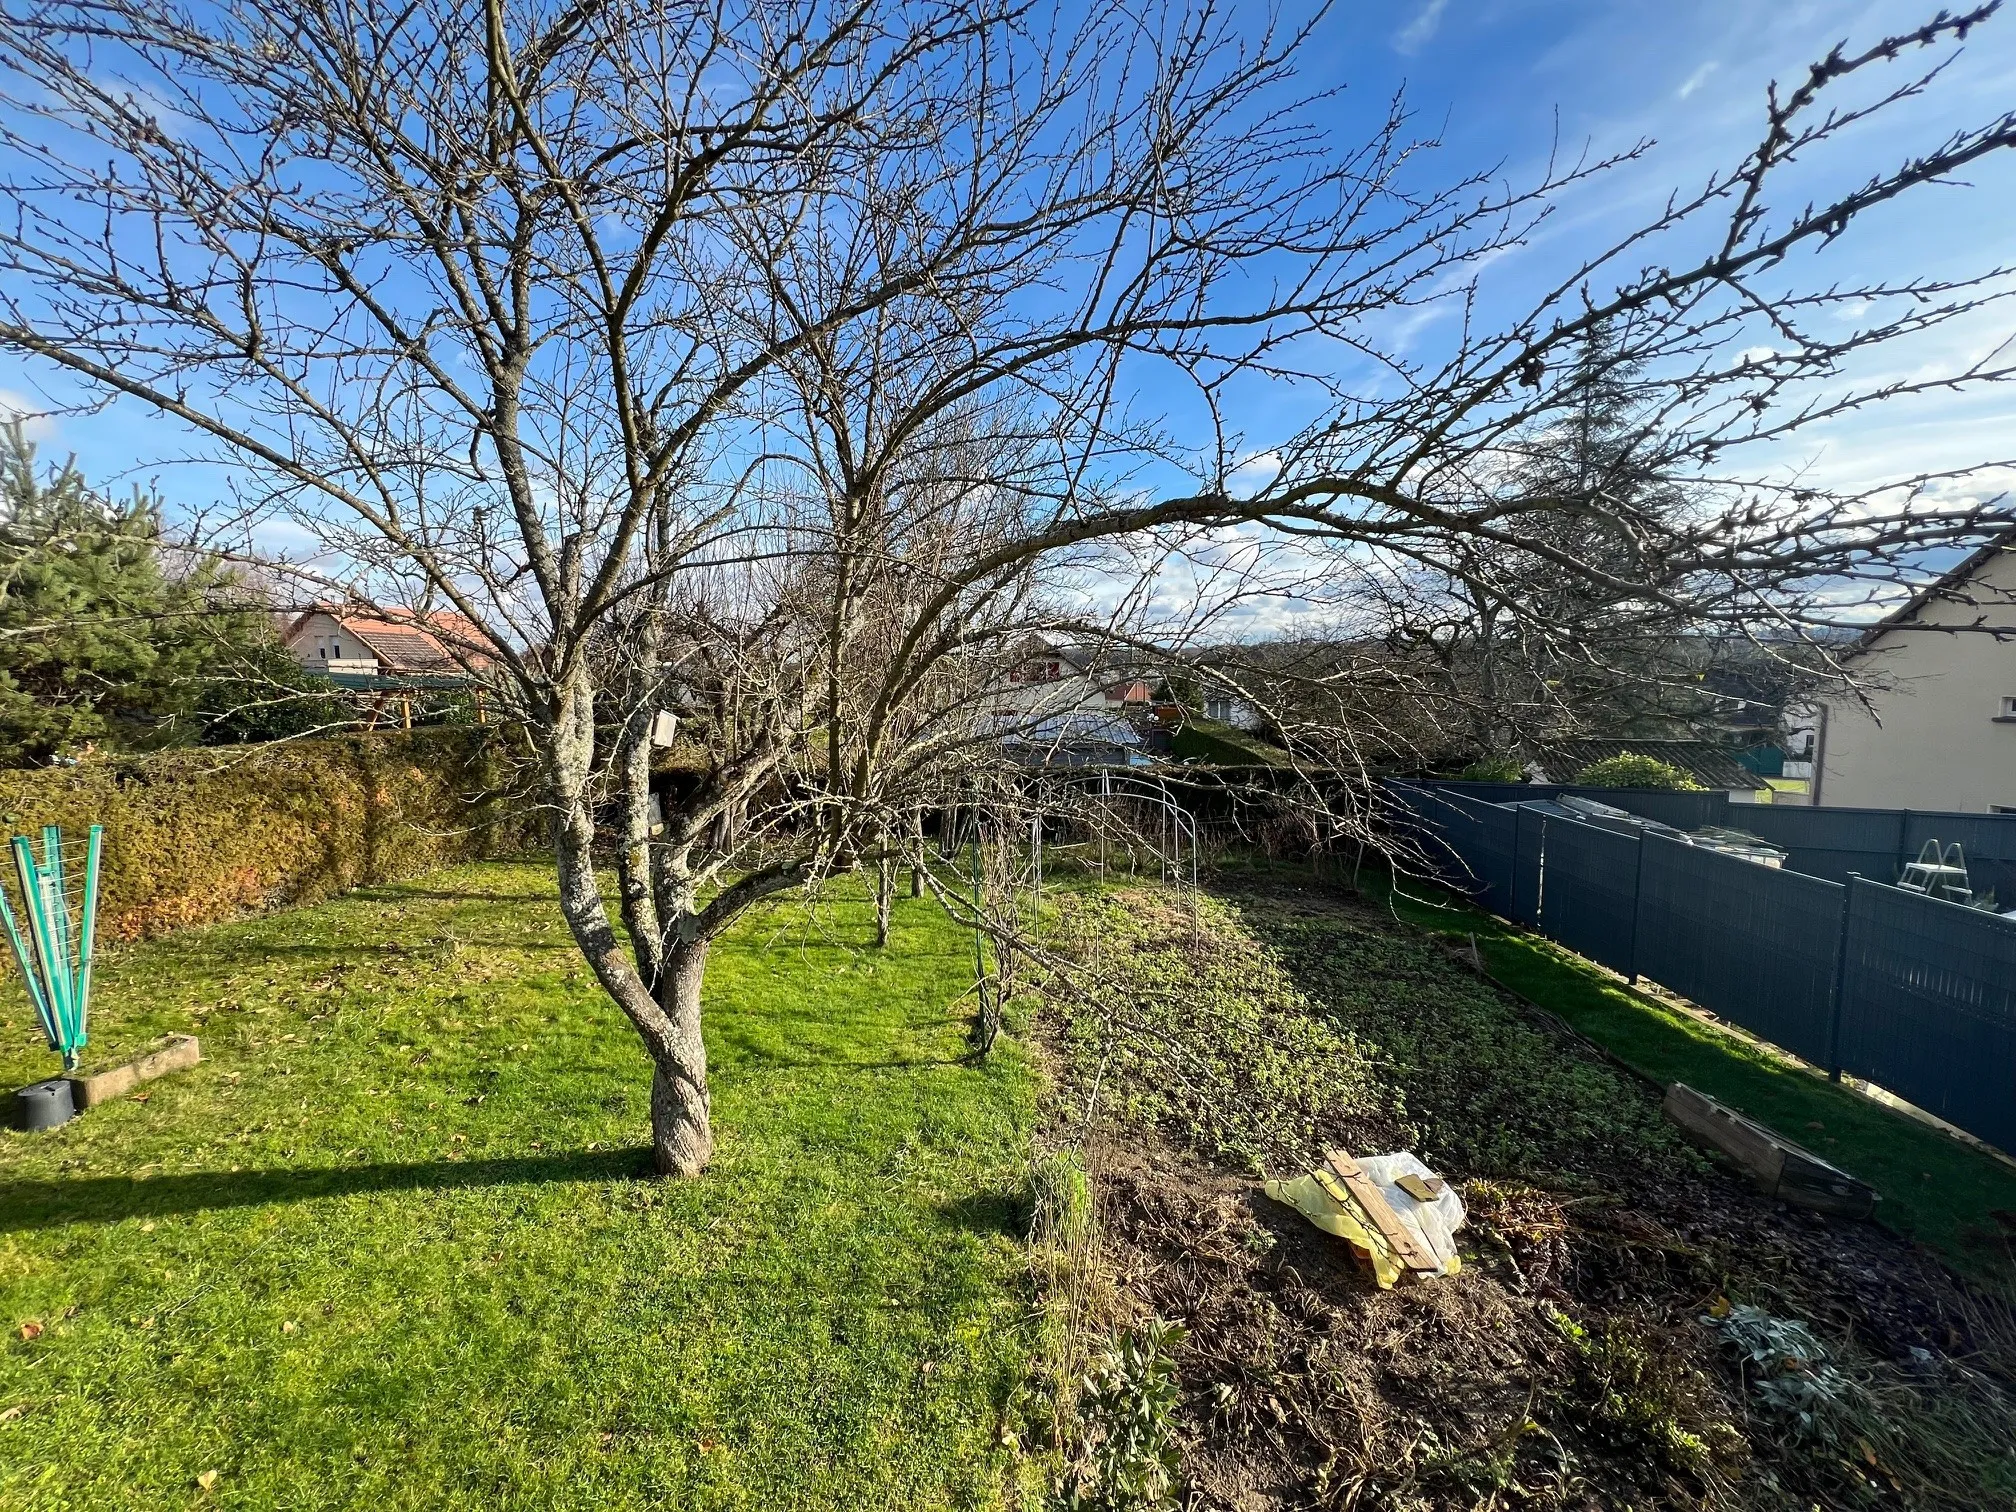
(45,1105)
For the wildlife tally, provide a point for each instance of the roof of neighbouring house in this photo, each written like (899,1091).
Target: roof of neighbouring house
(1710,765)
(408,641)
(1946,585)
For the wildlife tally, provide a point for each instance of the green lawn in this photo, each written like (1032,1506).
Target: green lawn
(390,1245)
(1935,1188)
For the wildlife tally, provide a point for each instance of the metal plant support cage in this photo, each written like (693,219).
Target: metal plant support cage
(60,904)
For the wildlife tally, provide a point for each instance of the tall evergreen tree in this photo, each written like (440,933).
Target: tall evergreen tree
(1550,649)
(100,644)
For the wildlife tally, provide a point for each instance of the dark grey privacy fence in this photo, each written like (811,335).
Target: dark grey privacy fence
(1688,811)
(1875,843)
(1912,993)
(1820,842)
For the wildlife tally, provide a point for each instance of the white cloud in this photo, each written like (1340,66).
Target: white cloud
(1254,474)
(37,425)
(1696,79)
(1416,34)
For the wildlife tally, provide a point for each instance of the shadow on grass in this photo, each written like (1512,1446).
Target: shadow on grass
(391,892)
(109,1199)
(424,950)
(987,1213)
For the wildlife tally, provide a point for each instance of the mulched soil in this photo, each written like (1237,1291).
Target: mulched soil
(1566,1366)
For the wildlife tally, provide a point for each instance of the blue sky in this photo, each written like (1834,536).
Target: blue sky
(1503,82)
(1506,81)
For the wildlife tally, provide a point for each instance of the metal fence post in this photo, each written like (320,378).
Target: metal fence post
(1637,906)
(1840,978)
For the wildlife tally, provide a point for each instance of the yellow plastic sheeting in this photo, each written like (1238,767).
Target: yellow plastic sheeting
(1322,1199)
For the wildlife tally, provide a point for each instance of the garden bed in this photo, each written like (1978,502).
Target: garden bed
(1569,1363)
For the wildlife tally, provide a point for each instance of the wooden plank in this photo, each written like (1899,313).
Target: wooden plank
(1749,1145)
(177,1053)
(1779,1167)
(1811,1182)
(1366,1193)
(1421,1188)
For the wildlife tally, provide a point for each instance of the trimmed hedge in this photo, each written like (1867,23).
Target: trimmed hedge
(192,837)
(1217,744)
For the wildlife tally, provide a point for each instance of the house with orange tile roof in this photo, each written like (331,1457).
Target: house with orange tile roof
(345,643)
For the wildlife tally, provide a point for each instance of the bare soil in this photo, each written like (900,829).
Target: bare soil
(1568,1364)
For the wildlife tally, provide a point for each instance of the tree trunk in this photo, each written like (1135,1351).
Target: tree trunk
(885,898)
(668,1021)
(682,1128)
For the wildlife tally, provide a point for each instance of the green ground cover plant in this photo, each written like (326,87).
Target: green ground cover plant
(1578,1359)
(1935,1188)
(391,1245)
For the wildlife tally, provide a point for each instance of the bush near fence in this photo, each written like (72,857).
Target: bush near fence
(1912,993)
(192,837)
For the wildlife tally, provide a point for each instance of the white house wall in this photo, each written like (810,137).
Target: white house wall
(320,633)
(1941,736)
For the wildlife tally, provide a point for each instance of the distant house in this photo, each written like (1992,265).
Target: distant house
(399,644)
(1939,729)
(1061,705)
(1050,680)
(1711,765)
(1232,709)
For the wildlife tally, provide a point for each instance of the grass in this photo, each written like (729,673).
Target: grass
(1207,740)
(389,1245)
(1569,1364)
(1935,1188)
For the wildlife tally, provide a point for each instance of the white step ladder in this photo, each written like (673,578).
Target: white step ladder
(1939,873)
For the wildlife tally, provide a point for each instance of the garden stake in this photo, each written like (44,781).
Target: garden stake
(55,950)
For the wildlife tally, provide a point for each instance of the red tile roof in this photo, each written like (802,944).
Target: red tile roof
(404,641)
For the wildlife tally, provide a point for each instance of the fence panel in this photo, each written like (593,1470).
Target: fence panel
(1988,841)
(1486,836)
(1687,811)
(1756,945)
(1928,1007)
(1526,866)
(1875,843)
(1589,891)
(1422,822)
(1831,843)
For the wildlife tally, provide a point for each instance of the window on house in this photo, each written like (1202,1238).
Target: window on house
(2009,708)
(322,651)
(336,650)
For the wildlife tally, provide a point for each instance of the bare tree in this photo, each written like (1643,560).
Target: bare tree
(770,367)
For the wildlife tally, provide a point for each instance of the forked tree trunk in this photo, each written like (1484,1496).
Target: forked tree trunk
(682,1128)
(668,1021)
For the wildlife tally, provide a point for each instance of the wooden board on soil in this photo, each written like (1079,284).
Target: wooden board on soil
(1779,1167)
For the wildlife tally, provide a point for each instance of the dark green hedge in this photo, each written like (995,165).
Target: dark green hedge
(1216,744)
(192,837)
